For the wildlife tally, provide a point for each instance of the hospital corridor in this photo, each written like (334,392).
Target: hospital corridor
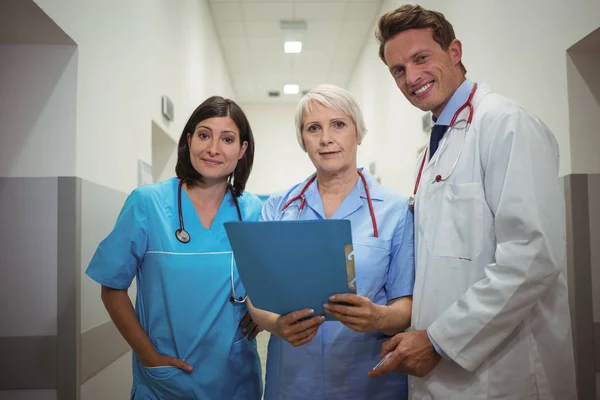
(396,199)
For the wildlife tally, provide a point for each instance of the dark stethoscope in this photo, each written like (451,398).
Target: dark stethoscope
(302,199)
(184,237)
(440,178)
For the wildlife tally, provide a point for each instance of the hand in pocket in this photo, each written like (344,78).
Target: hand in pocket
(161,360)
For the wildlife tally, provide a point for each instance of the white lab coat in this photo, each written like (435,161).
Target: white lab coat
(490,281)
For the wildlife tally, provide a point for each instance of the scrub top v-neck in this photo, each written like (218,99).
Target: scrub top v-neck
(183,293)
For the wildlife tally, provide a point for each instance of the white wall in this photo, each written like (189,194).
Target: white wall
(527,61)
(279,162)
(130,54)
(164,154)
(395,135)
(37,110)
(520,56)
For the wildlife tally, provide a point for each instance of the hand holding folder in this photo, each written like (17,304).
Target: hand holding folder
(287,266)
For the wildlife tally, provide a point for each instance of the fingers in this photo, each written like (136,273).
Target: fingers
(295,316)
(345,318)
(257,329)
(391,344)
(247,318)
(301,332)
(302,329)
(353,311)
(303,337)
(385,366)
(349,298)
(249,328)
(307,339)
(175,362)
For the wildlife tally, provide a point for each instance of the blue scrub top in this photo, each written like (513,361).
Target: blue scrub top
(334,365)
(183,293)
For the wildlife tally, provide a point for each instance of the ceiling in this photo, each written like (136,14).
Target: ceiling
(252,43)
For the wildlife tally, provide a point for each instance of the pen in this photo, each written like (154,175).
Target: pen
(388,355)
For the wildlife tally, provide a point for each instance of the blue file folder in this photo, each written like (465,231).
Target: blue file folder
(287,266)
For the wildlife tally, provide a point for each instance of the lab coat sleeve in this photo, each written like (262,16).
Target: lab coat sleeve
(401,273)
(519,159)
(118,256)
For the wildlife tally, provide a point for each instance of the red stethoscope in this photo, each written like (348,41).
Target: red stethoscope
(302,199)
(440,178)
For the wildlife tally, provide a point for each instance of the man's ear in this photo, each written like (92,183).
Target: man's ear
(455,51)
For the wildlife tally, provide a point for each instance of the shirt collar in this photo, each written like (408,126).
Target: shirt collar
(460,97)
(352,202)
(375,188)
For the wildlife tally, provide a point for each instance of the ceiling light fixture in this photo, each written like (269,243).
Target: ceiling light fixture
(291,89)
(292,47)
(293,32)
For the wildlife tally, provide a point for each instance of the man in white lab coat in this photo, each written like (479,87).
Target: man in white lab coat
(490,305)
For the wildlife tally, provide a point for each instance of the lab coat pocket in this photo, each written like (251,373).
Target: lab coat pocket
(458,231)
(371,261)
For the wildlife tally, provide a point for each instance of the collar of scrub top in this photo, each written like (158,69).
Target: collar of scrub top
(350,204)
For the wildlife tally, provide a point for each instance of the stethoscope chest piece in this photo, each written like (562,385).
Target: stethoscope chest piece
(182,235)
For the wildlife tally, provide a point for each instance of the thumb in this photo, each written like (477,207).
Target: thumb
(175,362)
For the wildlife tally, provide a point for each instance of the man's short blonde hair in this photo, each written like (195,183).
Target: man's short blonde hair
(332,97)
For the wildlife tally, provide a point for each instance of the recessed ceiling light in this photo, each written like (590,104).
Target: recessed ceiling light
(292,47)
(291,89)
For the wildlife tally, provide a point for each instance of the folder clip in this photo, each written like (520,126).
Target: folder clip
(350,270)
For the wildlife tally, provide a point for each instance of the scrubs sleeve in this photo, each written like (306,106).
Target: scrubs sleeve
(269,210)
(401,273)
(119,255)
(252,208)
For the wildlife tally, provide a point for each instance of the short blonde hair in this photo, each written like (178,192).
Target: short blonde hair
(332,97)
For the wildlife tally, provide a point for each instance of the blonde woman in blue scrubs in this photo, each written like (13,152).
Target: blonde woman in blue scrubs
(312,359)
(185,330)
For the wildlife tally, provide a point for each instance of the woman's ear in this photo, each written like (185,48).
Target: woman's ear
(243,149)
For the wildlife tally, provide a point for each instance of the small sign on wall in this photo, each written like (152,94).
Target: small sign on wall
(168,109)
(144,173)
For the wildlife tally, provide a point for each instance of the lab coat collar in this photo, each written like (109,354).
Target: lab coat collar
(483,89)
(351,203)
